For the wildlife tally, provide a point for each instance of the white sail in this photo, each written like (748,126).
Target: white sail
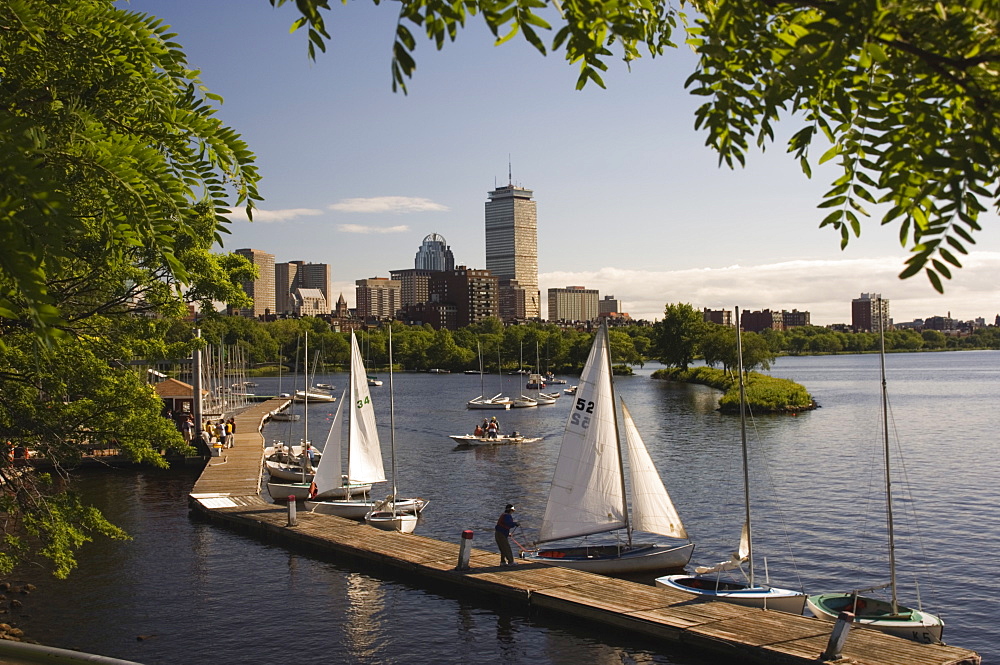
(587,496)
(652,509)
(364,456)
(328,475)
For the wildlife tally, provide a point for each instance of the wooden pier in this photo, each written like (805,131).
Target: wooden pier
(228,493)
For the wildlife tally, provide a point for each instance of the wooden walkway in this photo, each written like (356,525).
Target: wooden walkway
(228,493)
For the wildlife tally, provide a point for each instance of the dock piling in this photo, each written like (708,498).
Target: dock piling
(838,636)
(292,518)
(465,550)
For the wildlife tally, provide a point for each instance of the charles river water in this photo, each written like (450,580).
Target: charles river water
(183,591)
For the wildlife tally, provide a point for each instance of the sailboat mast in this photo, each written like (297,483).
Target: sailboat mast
(885,452)
(618,438)
(305,418)
(482,380)
(743,444)
(392,426)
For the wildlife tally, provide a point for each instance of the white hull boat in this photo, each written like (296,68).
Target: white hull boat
(314,396)
(497,402)
(301,491)
(356,509)
(707,584)
(392,521)
(473,440)
(614,559)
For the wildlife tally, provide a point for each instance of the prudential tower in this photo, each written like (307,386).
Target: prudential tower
(512,250)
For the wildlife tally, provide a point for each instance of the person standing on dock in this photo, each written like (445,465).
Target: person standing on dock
(502,534)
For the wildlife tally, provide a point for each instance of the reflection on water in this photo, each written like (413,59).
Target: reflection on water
(201,594)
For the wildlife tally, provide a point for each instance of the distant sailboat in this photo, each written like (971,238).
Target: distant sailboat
(588,496)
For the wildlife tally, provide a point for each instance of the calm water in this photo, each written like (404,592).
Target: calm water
(196,593)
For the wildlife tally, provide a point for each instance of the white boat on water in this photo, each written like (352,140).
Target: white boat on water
(314,395)
(497,402)
(364,453)
(886,615)
(708,583)
(570,391)
(285,416)
(523,402)
(475,440)
(588,494)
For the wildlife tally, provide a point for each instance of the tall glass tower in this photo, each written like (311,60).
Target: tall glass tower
(512,243)
(434,254)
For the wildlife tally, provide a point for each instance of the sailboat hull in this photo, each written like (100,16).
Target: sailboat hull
(281,491)
(709,588)
(292,472)
(356,509)
(612,560)
(387,521)
(473,440)
(875,613)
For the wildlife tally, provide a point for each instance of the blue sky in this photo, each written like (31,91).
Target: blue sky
(629,199)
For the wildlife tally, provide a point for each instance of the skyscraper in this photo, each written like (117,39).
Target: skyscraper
(512,245)
(299,275)
(262,288)
(434,254)
(574,303)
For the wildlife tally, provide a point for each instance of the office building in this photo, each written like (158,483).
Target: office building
(512,245)
(377,298)
(299,275)
(459,298)
(434,254)
(794,318)
(413,285)
(573,303)
(866,312)
(309,302)
(609,305)
(262,288)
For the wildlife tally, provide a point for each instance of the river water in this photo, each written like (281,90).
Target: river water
(183,591)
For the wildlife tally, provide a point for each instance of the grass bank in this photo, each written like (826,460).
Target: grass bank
(765,394)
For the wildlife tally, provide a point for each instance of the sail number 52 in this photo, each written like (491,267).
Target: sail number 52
(582,407)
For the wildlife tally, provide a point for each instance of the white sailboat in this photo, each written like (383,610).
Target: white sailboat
(482,402)
(887,616)
(749,593)
(588,495)
(391,514)
(298,466)
(364,452)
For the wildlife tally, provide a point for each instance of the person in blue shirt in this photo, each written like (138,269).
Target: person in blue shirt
(502,534)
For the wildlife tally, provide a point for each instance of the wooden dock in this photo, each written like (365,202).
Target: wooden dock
(228,493)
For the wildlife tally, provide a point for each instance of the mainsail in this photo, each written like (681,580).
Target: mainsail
(364,455)
(328,475)
(587,495)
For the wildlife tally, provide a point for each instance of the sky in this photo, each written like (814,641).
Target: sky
(630,201)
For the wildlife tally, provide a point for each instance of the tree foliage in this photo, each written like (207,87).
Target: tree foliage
(678,335)
(902,96)
(114,174)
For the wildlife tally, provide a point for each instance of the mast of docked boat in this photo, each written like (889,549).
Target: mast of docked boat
(482,379)
(885,452)
(618,438)
(392,426)
(743,444)
(305,418)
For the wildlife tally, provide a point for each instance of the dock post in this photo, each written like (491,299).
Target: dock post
(838,636)
(292,519)
(465,550)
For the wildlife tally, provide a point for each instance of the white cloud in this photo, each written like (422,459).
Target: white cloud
(824,288)
(269,216)
(393,204)
(358,228)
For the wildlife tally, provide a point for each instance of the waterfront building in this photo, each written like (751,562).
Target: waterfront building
(299,275)
(762,320)
(513,301)
(309,302)
(573,303)
(377,298)
(434,254)
(866,310)
(413,285)
(723,317)
(262,288)
(512,244)
(794,318)
(459,298)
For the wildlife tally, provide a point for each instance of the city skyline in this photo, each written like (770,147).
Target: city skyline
(630,202)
